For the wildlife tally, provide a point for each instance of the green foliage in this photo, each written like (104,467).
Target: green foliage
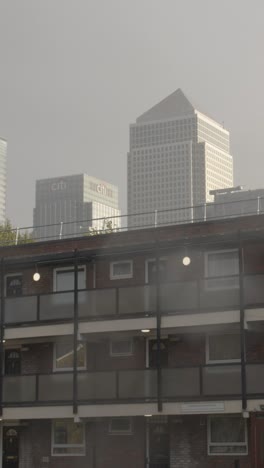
(10,235)
(106,229)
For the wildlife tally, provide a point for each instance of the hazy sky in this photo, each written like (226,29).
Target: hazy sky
(75,73)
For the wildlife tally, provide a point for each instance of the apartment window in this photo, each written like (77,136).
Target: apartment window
(122,426)
(222,348)
(121,347)
(121,270)
(227,435)
(68,438)
(63,279)
(13,285)
(222,269)
(63,356)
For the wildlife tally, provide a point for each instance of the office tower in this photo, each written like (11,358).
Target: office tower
(177,155)
(3,150)
(68,206)
(233,202)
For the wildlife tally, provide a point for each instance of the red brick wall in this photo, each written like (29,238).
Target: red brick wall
(103,450)
(189,350)
(254,252)
(188,446)
(104,361)
(255,347)
(38,359)
(139,237)
(120,451)
(35,448)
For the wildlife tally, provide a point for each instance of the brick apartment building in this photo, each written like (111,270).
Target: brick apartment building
(121,356)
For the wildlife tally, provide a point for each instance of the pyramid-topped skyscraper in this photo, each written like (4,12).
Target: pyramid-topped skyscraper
(177,155)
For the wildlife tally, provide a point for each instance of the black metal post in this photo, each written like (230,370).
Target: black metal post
(75,335)
(242,328)
(158,316)
(2,330)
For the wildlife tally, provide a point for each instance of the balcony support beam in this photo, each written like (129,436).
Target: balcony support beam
(158,332)
(75,335)
(2,292)
(242,328)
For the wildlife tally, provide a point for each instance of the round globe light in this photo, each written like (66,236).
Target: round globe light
(36,276)
(186,261)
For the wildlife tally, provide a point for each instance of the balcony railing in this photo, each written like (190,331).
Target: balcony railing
(178,296)
(193,383)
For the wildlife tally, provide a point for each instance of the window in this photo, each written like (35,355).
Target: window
(63,279)
(63,356)
(121,347)
(222,348)
(120,426)
(121,270)
(227,435)
(223,267)
(67,438)
(13,285)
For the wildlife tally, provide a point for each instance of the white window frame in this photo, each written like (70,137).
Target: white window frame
(129,353)
(55,270)
(217,361)
(122,433)
(117,277)
(218,287)
(7,276)
(224,444)
(151,260)
(65,369)
(81,446)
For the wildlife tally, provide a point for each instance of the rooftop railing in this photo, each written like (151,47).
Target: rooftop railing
(138,220)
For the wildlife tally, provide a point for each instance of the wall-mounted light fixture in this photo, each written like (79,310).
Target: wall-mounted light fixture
(186,260)
(36,276)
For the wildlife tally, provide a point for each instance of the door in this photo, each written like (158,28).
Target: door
(259,437)
(10,447)
(153,353)
(151,271)
(159,449)
(12,362)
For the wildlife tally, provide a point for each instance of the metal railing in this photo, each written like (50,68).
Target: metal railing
(141,220)
(194,382)
(183,296)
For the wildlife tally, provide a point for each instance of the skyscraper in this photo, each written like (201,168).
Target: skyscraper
(176,156)
(68,206)
(3,149)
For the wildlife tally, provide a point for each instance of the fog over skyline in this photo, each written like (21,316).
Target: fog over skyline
(75,74)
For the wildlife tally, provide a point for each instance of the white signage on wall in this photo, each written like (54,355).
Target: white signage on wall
(59,185)
(102,189)
(203,407)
